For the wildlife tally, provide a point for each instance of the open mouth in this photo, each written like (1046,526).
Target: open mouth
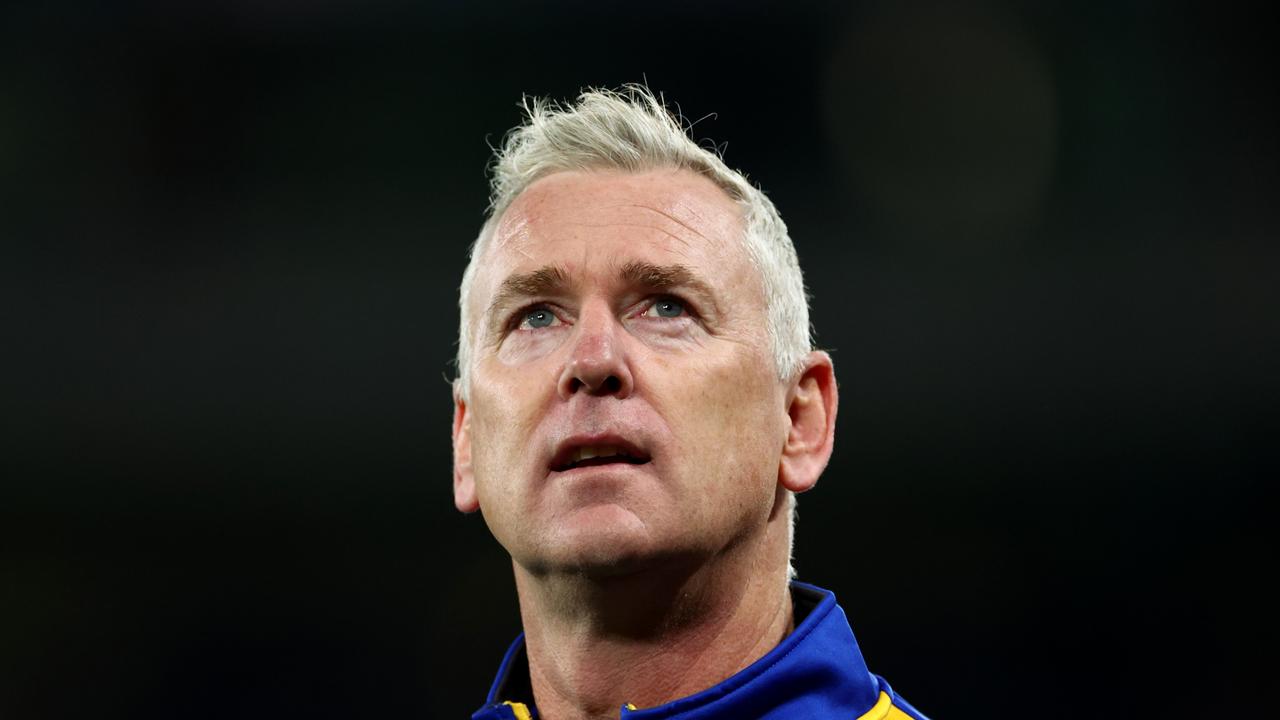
(596,455)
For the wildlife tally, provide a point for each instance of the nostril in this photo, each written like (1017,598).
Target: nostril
(611,385)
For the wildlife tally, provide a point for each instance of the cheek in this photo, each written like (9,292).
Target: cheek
(501,423)
(728,418)
(741,392)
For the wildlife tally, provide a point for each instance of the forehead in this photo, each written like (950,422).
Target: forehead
(585,220)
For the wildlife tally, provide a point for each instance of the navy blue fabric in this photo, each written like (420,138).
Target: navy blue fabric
(815,672)
(513,660)
(898,702)
(494,712)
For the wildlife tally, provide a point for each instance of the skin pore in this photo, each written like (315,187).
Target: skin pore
(620,313)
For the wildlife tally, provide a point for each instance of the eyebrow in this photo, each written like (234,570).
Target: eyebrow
(546,280)
(552,280)
(660,277)
(657,278)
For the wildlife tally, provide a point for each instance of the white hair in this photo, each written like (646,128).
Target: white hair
(631,130)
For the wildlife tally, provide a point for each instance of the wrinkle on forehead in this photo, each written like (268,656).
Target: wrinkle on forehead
(651,193)
(512,230)
(664,231)
(524,228)
(685,209)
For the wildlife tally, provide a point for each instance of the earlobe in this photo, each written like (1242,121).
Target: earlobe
(464,486)
(811,407)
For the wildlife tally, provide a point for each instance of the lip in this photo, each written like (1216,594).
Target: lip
(567,447)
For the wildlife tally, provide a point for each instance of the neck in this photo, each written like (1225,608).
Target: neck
(655,635)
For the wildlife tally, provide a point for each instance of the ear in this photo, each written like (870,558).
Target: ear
(811,407)
(464,484)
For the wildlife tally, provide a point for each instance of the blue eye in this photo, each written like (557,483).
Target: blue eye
(668,308)
(539,318)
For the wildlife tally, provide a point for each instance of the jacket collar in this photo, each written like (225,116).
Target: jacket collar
(816,671)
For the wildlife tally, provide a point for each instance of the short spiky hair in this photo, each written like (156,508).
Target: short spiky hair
(631,130)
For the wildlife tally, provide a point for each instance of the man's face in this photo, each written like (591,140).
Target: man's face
(624,407)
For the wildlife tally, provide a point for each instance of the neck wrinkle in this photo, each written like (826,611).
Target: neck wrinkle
(651,637)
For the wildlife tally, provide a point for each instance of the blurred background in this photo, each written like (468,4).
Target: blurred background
(1040,239)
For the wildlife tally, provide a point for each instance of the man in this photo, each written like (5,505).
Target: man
(637,403)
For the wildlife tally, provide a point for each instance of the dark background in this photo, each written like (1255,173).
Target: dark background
(1040,240)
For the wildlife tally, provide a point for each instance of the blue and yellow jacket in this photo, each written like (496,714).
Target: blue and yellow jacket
(815,672)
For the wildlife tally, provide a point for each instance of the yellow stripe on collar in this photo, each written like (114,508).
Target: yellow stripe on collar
(520,709)
(884,709)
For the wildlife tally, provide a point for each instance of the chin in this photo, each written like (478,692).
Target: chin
(601,540)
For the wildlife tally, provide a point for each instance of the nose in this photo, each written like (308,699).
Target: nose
(597,363)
